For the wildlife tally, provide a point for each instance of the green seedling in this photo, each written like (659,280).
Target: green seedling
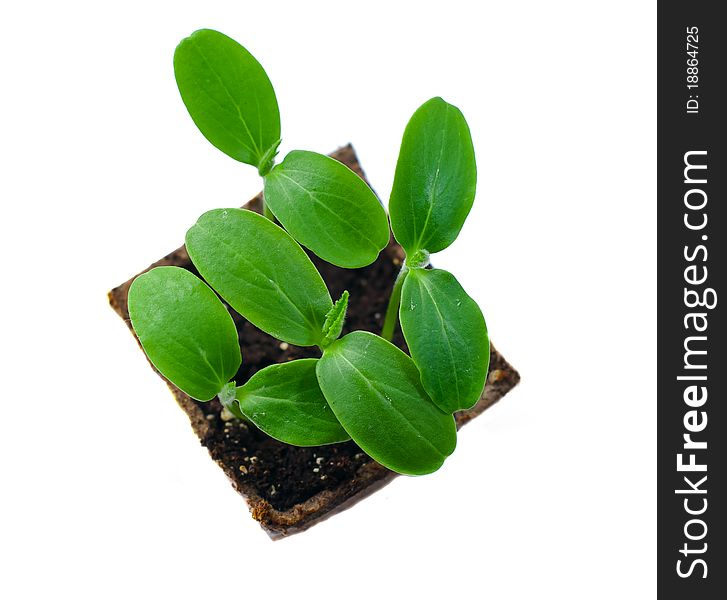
(433,191)
(398,409)
(362,386)
(324,205)
(189,336)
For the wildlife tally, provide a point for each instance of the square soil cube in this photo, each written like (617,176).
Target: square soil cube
(287,488)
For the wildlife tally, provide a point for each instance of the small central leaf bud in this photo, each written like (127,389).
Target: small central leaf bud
(419,259)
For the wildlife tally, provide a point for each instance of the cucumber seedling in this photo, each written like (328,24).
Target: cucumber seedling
(433,192)
(398,409)
(320,202)
(362,387)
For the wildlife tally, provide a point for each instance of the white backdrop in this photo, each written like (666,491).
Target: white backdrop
(551,494)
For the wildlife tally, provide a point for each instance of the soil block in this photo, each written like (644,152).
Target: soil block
(289,489)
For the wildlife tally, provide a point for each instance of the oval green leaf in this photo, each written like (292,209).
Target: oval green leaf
(447,337)
(262,273)
(435,180)
(185,330)
(286,402)
(375,392)
(228,95)
(328,208)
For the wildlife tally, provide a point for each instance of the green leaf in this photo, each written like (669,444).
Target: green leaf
(286,402)
(262,273)
(436,175)
(447,337)
(185,330)
(228,95)
(334,320)
(327,208)
(375,392)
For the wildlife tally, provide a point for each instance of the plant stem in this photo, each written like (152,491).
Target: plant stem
(392,311)
(228,399)
(267,213)
(264,167)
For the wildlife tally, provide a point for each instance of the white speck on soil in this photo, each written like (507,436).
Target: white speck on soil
(377,316)
(273,491)
(243,469)
(284,345)
(226,415)
(253,459)
(320,460)
(316,469)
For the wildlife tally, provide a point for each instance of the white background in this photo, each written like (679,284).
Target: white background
(106,492)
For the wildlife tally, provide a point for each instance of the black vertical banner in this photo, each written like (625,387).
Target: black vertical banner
(692,300)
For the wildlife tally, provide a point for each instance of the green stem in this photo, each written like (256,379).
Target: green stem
(267,162)
(228,399)
(392,311)
(267,213)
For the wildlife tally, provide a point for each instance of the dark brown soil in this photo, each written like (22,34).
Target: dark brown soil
(288,475)
(290,488)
